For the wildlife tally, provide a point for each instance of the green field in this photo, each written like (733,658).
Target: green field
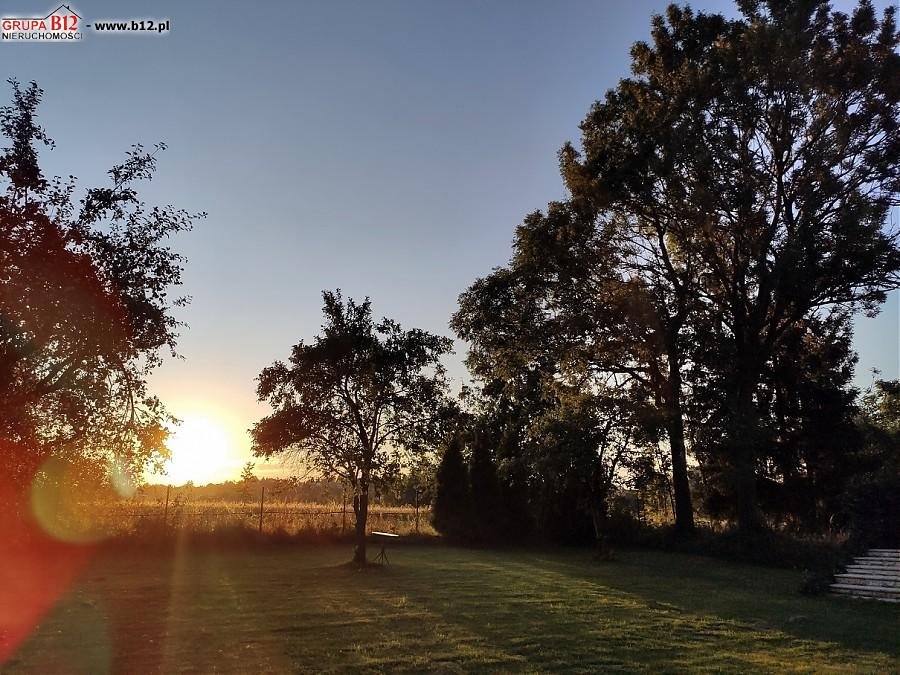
(444,609)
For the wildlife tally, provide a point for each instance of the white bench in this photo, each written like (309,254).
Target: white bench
(383,538)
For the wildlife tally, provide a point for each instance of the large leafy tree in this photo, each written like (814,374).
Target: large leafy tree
(810,445)
(85,308)
(583,449)
(808,405)
(764,152)
(592,304)
(356,402)
(568,361)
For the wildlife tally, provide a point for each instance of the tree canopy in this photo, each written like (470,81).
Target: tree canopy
(726,219)
(85,308)
(761,156)
(357,401)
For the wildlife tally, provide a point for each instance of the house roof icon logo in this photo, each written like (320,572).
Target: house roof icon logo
(68,9)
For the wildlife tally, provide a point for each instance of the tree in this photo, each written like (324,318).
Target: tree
(566,432)
(808,407)
(586,300)
(871,503)
(809,443)
(764,152)
(487,502)
(515,486)
(881,416)
(355,403)
(452,509)
(583,449)
(247,479)
(85,309)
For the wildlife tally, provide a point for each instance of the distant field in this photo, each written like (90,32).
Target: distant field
(101,519)
(447,609)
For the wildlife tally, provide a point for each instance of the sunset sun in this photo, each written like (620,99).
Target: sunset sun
(203,451)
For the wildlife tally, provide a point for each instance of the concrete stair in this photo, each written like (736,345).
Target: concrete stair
(875,575)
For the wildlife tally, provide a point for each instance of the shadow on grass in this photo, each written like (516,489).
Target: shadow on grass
(305,609)
(759,597)
(760,607)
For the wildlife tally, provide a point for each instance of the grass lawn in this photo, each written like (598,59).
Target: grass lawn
(447,609)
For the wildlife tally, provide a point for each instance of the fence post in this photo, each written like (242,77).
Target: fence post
(166,510)
(262,496)
(417,509)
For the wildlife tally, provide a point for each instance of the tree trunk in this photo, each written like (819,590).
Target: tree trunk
(598,517)
(361,509)
(744,438)
(684,508)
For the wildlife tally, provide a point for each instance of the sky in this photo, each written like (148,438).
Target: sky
(385,148)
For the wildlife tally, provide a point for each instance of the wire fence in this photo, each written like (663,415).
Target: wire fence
(290,518)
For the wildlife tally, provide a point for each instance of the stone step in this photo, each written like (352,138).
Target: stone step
(882,558)
(864,596)
(869,565)
(869,569)
(874,576)
(868,580)
(869,572)
(865,572)
(861,591)
(877,562)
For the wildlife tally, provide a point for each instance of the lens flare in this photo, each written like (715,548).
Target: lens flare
(63,502)
(122,480)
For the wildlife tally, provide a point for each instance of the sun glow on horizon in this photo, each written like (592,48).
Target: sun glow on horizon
(203,451)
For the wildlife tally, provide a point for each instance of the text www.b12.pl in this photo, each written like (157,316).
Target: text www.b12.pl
(144,25)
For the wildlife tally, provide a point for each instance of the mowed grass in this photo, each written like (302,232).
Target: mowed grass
(445,609)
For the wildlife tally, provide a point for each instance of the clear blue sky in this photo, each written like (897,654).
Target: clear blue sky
(388,148)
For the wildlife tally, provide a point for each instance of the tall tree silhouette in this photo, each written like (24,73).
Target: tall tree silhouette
(85,307)
(452,510)
(763,155)
(487,502)
(353,403)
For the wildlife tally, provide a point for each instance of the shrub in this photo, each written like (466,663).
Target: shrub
(817,581)
(872,512)
(623,523)
(767,547)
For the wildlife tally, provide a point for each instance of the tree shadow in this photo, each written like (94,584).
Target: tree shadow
(760,599)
